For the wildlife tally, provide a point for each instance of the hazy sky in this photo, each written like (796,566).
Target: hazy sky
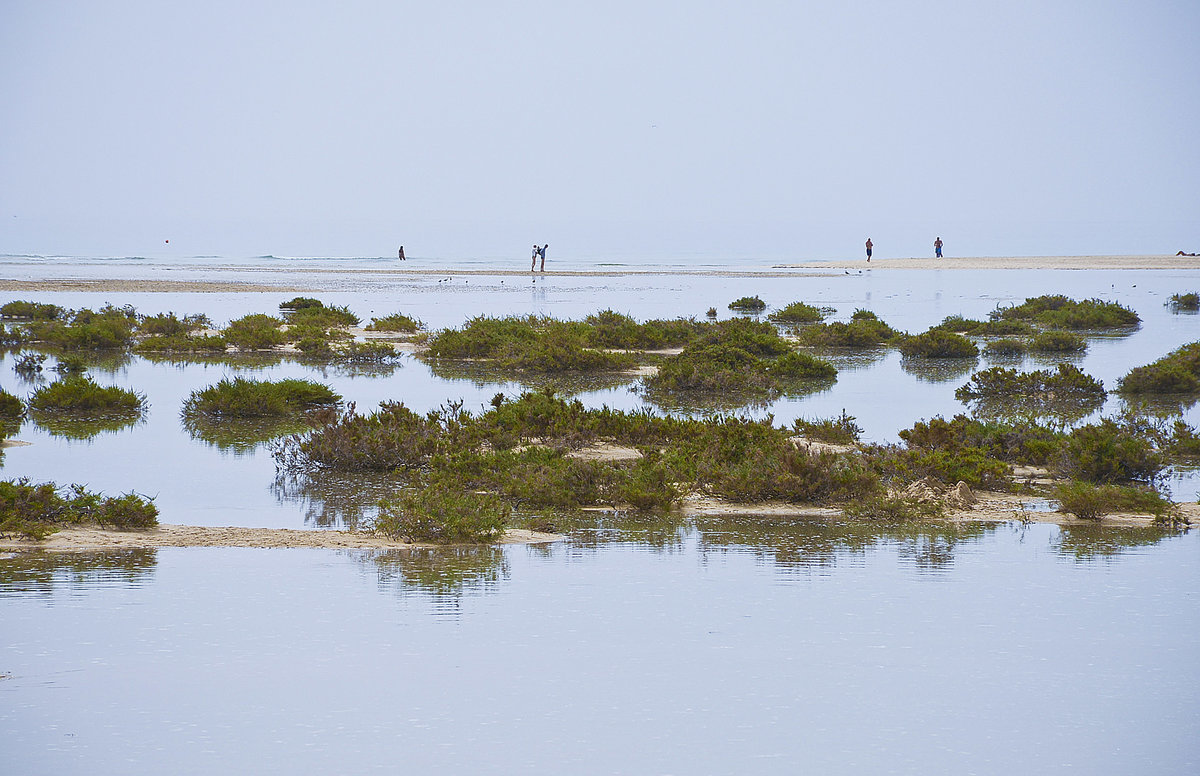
(460,129)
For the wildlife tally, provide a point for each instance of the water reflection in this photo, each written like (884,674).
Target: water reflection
(798,544)
(481,375)
(444,574)
(40,573)
(852,359)
(1035,409)
(336,499)
(1096,542)
(240,436)
(937,370)
(589,530)
(85,427)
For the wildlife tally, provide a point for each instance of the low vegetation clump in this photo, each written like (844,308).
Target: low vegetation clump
(1000,328)
(31,311)
(1010,442)
(1178,372)
(1092,502)
(799,312)
(748,304)
(168,324)
(1109,452)
(254,332)
(1057,342)
(610,329)
(864,330)
(1189,302)
(109,328)
(738,358)
(244,398)
(442,516)
(322,316)
(938,344)
(1065,383)
(79,394)
(300,303)
(36,511)
(841,430)
(397,322)
(527,344)
(181,343)
(1060,312)
(1006,347)
(11,407)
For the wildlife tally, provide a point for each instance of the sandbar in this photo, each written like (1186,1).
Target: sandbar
(311,279)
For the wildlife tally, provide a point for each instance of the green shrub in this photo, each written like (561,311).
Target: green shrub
(1107,452)
(1021,443)
(892,508)
(792,367)
(1060,312)
(11,407)
(254,332)
(1065,383)
(326,317)
(79,394)
(181,343)
(442,516)
(34,311)
(1091,502)
(392,438)
(110,328)
(949,465)
(167,324)
(1005,347)
(395,322)
(1002,328)
(611,329)
(799,312)
(863,331)
(36,511)
(841,430)
(1188,301)
(301,303)
(243,398)
(528,344)
(1178,372)
(938,344)
(1058,342)
(748,304)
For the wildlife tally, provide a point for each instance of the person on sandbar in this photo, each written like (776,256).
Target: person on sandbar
(870,245)
(937,247)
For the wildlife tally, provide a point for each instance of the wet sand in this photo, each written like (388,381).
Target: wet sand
(301,279)
(92,538)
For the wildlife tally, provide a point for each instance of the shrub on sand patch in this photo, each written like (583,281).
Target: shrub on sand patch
(395,322)
(748,304)
(799,312)
(254,332)
(80,394)
(443,516)
(938,344)
(1091,502)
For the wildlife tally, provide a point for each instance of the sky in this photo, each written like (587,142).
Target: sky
(775,130)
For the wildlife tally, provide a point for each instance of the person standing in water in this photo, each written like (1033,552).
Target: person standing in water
(937,247)
(870,245)
(400,254)
(542,253)
(533,263)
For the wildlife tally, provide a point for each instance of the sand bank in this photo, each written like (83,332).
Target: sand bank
(306,279)
(91,538)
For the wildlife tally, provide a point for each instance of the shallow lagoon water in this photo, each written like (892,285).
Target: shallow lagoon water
(715,649)
(706,647)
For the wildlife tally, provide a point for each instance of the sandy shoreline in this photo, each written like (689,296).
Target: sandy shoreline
(990,508)
(92,538)
(305,279)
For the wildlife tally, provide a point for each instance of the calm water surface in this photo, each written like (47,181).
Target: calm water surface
(705,646)
(713,648)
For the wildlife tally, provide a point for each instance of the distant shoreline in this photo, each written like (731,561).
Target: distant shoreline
(304,279)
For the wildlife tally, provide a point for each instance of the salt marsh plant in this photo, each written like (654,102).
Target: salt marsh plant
(864,330)
(1108,452)
(442,516)
(1178,372)
(79,394)
(938,344)
(1092,502)
(397,322)
(109,328)
(999,328)
(254,332)
(1060,312)
(1189,302)
(1066,382)
(1005,347)
(36,511)
(1058,342)
(799,312)
(842,430)
(31,311)
(527,344)
(610,329)
(300,303)
(246,398)
(748,304)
